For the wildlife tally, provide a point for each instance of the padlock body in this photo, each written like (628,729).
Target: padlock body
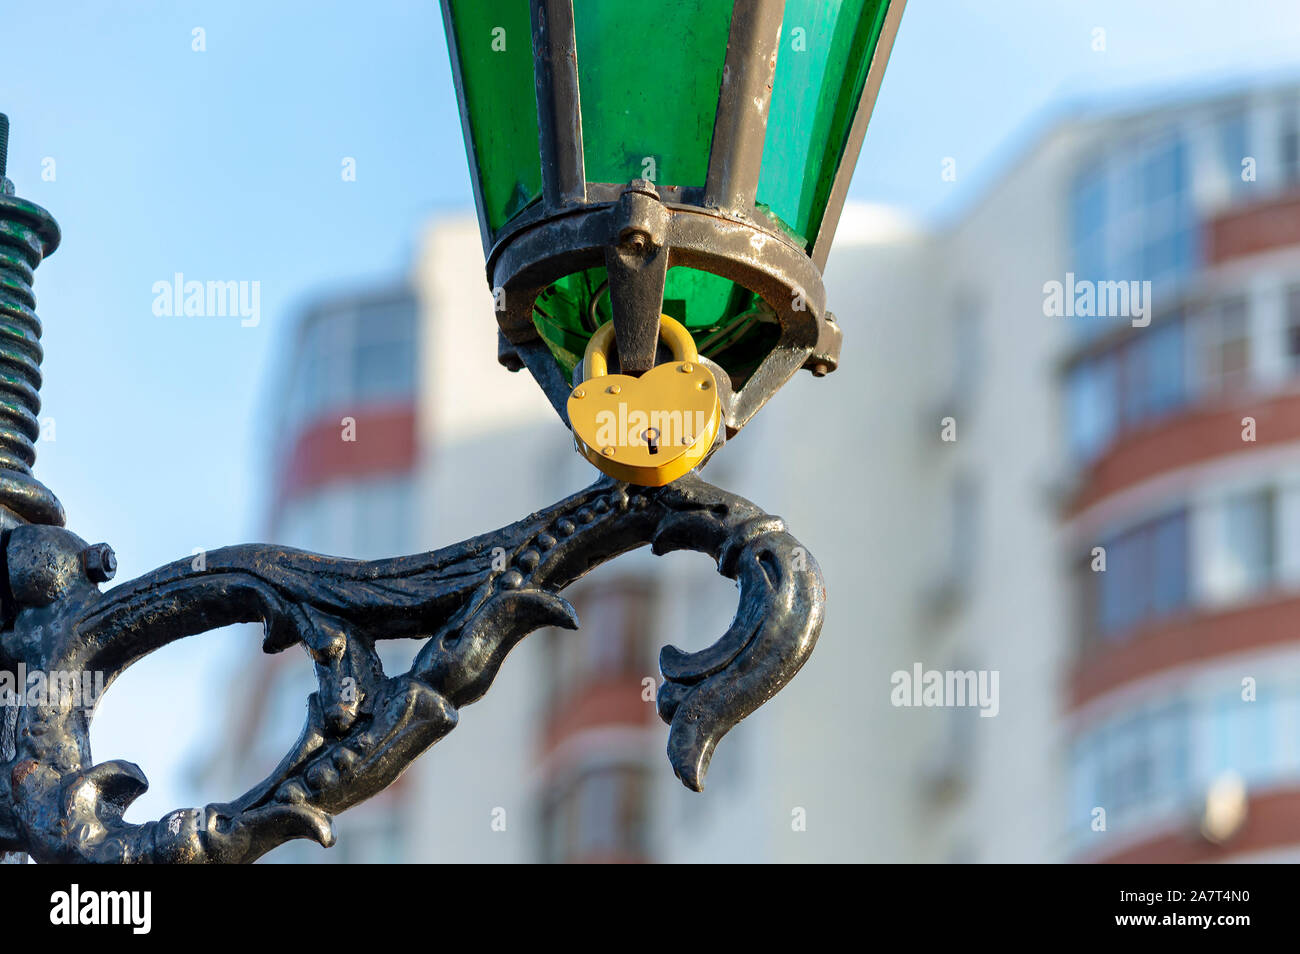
(647,430)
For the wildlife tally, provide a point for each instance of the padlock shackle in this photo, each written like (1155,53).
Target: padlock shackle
(595,360)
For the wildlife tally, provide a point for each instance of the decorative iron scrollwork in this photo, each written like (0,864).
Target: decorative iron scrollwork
(365,727)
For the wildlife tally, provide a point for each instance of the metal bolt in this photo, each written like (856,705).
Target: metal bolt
(100,562)
(820,369)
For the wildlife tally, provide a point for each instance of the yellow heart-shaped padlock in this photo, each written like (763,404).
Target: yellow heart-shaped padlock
(652,429)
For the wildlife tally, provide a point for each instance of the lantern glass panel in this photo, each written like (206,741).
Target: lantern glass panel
(648,79)
(821,67)
(729,323)
(494,45)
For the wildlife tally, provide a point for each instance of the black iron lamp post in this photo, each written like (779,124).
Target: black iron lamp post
(714,245)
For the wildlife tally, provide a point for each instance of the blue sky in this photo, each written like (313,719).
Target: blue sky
(225,164)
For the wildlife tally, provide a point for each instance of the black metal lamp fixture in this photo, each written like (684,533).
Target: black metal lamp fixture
(694,160)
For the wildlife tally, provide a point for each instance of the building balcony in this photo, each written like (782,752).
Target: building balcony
(1194,435)
(601,704)
(1253,229)
(1186,639)
(1269,830)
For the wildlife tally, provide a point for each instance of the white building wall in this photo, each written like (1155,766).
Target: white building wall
(1016,617)
(846,452)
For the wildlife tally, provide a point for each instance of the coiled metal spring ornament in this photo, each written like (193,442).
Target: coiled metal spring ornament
(27,235)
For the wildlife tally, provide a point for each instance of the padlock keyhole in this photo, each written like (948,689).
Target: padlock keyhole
(651,436)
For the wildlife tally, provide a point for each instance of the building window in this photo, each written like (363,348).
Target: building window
(385,517)
(1167,230)
(1289,146)
(1244,735)
(1154,373)
(1169,571)
(1093,405)
(601,816)
(322,375)
(1224,344)
(1162,757)
(1146,576)
(1128,386)
(1293,326)
(350,354)
(1131,216)
(1087,223)
(1135,760)
(384,364)
(1234,148)
(1248,556)
(612,643)
(1149,565)
(1159,176)
(1159,370)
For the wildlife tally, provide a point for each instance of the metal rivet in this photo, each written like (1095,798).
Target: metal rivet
(579,393)
(613,389)
(607,451)
(100,562)
(704,385)
(686,367)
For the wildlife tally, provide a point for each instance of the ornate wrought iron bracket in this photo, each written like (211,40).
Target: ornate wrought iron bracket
(365,727)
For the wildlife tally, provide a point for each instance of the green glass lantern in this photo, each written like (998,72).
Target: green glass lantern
(680,157)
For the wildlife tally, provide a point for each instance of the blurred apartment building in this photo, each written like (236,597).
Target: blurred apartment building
(1162,690)
(1183,697)
(1123,497)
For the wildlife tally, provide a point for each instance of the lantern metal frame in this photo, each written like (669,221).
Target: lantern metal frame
(638,230)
